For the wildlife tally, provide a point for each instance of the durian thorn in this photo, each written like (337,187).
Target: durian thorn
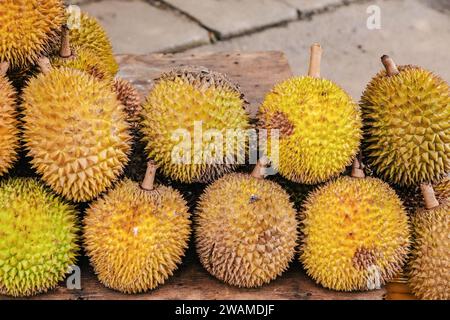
(149,179)
(357,169)
(259,172)
(390,66)
(315,61)
(4,66)
(429,196)
(44,64)
(65,51)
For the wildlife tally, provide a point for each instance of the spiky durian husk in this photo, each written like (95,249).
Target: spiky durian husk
(130,98)
(75,132)
(407,127)
(86,60)
(356,234)
(319,128)
(135,238)
(413,199)
(180,99)
(38,238)
(28,29)
(8,126)
(429,275)
(91,35)
(246,230)
(442,189)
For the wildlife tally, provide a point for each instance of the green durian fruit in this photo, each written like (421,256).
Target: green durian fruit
(406,114)
(38,238)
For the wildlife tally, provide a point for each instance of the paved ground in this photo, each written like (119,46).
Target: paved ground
(412,31)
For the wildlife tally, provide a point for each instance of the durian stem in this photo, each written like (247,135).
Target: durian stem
(429,196)
(4,66)
(390,66)
(149,179)
(65,51)
(259,172)
(44,64)
(315,61)
(357,169)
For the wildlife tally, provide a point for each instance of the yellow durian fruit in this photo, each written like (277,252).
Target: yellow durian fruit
(318,123)
(75,132)
(136,235)
(355,234)
(246,229)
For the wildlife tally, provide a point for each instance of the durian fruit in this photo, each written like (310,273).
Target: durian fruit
(406,114)
(319,126)
(38,238)
(131,100)
(182,104)
(412,196)
(8,124)
(442,189)
(246,229)
(429,276)
(92,36)
(75,132)
(355,233)
(28,29)
(136,235)
(80,58)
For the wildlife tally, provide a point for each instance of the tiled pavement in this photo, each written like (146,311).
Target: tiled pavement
(413,31)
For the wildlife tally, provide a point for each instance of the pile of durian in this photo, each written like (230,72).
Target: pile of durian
(79,154)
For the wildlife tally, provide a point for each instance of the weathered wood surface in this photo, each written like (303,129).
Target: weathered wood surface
(256,73)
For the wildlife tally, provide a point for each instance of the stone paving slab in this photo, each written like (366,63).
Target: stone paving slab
(351,51)
(233,17)
(309,6)
(137,27)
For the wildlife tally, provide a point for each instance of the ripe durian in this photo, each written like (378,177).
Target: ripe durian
(80,58)
(319,126)
(196,100)
(38,238)
(28,29)
(135,236)
(442,189)
(131,100)
(75,132)
(429,276)
(90,35)
(246,229)
(355,234)
(8,124)
(406,114)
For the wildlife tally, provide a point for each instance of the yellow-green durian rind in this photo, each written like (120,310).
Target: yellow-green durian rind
(28,29)
(75,132)
(246,230)
(38,238)
(180,99)
(319,127)
(84,59)
(92,36)
(355,234)
(429,276)
(136,239)
(407,127)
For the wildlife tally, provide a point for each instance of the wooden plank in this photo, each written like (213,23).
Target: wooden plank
(256,73)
